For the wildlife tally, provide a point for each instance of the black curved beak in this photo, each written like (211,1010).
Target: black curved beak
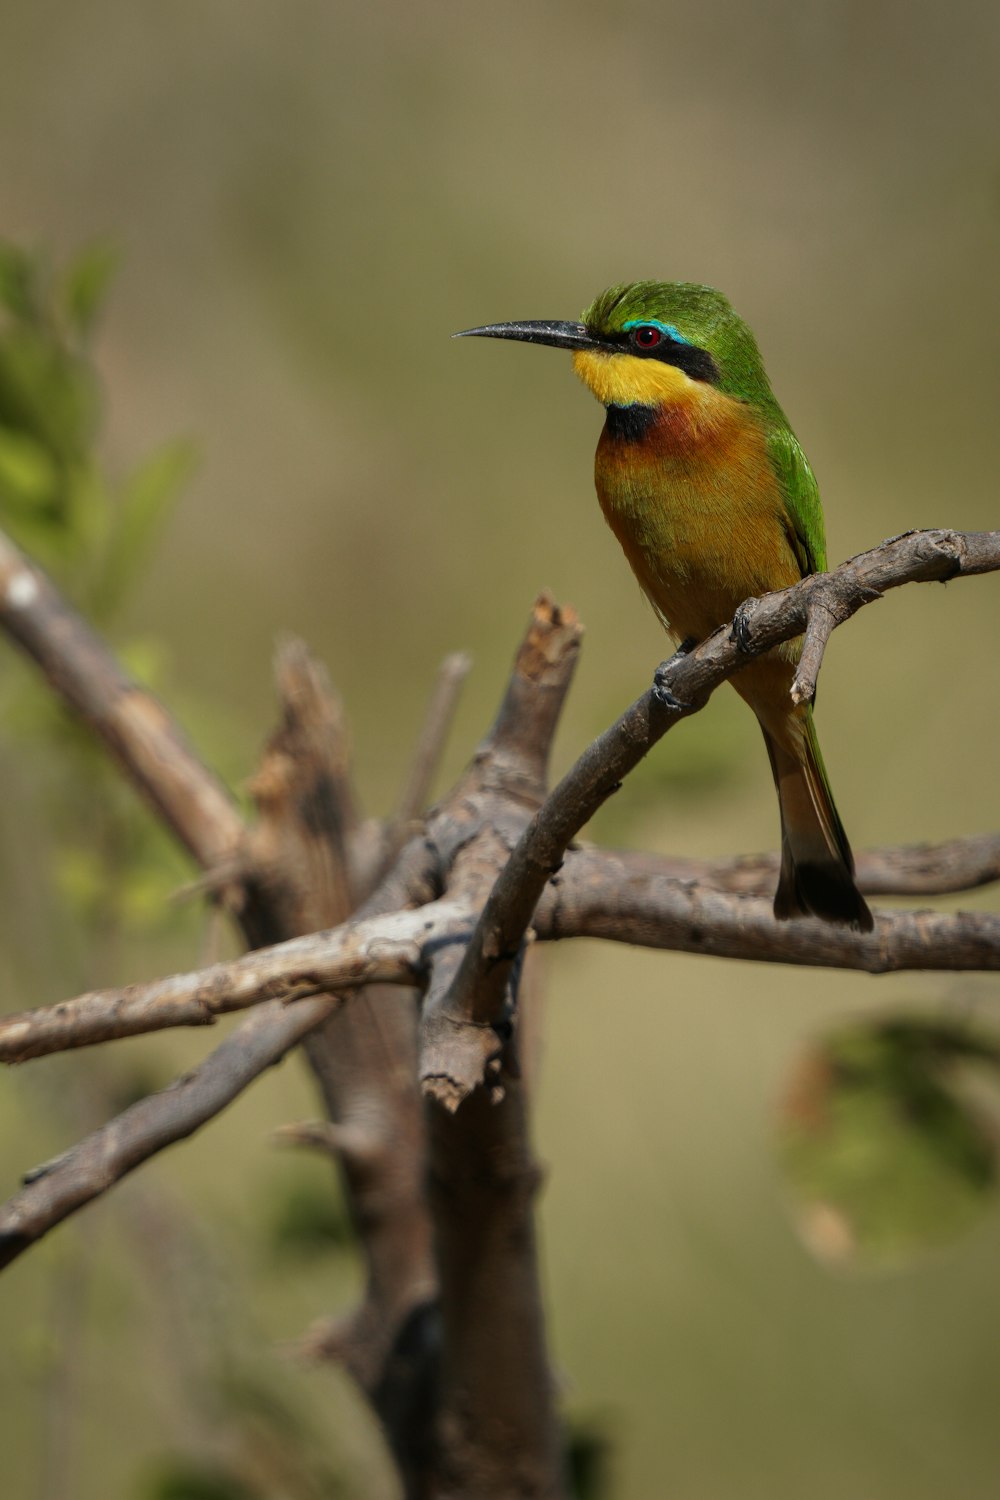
(558,335)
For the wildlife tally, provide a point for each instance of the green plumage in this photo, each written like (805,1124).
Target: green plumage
(706,488)
(706,319)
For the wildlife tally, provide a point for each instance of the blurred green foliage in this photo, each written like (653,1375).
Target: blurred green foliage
(114,865)
(307,1218)
(182,1479)
(54,495)
(589,1448)
(886,1151)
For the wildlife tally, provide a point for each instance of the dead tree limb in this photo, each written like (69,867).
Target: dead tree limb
(477,995)
(93,1166)
(430,744)
(962,864)
(497,1432)
(478,825)
(87,1170)
(591,898)
(587,899)
(364,1054)
(488,850)
(386,947)
(133,725)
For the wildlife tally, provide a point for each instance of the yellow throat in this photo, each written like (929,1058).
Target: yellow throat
(624,380)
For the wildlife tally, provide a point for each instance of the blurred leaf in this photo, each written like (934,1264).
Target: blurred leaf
(85,286)
(189,1479)
(47,391)
(131,1083)
(589,1448)
(144,503)
(885,1144)
(18,282)
(308,1218)
(28,477)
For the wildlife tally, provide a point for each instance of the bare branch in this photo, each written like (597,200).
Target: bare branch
(94,1165)
(603,897)
(339,1141)
(480,986)
(498,1435)
(433,736)
(385,947)
(657,902)
(478,825)
(363,1055)
(961,864)
(136,728)
(103,1158)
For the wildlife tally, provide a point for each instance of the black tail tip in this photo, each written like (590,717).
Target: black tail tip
(824,891)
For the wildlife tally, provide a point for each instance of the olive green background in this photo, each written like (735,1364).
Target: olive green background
(308,199)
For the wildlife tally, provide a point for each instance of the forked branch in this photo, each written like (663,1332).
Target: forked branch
(480,985)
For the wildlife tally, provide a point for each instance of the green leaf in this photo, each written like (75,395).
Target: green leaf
(47,392)
(85,287)
(18,282)
(192,1479)
(886,1143)
(307,1219)
(28,477)
(144,505)
(589,1447)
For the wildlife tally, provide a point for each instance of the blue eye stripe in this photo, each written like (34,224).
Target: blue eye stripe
(667,328)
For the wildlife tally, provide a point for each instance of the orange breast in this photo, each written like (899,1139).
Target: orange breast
(697,509)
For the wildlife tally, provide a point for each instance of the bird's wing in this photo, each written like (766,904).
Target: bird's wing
(801,495)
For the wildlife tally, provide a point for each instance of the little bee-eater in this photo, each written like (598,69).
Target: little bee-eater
(705,486)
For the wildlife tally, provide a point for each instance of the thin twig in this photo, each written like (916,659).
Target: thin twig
(432,738)
(110,1153)
(480,986)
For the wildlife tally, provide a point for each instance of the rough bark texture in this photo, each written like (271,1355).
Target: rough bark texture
(363,1054)
(354,921)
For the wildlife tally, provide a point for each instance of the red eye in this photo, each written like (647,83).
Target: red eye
(647,336)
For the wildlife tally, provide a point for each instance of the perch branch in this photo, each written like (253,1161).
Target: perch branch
(587,899)
(604,898)
(961,864)
(479,989)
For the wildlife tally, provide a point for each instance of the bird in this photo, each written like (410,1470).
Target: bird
(707,489)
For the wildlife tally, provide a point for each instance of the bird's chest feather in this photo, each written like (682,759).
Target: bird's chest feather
(693,500)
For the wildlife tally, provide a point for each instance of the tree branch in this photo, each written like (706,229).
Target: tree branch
(477,995)
(605,898)
(431,741)
(387,947)
(93,1166)
(103,1158)
(961,864)
(135,728)
(479,824)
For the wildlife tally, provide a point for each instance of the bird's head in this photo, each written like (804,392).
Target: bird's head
(652,343)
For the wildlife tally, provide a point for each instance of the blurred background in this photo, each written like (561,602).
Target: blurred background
(303,202)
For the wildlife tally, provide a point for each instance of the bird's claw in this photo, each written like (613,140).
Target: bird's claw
(743,624)
(661,684)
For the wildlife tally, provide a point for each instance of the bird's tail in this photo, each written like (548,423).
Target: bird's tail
(817,867)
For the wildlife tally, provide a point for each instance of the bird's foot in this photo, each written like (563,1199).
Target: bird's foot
(742,630)
(661,677)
